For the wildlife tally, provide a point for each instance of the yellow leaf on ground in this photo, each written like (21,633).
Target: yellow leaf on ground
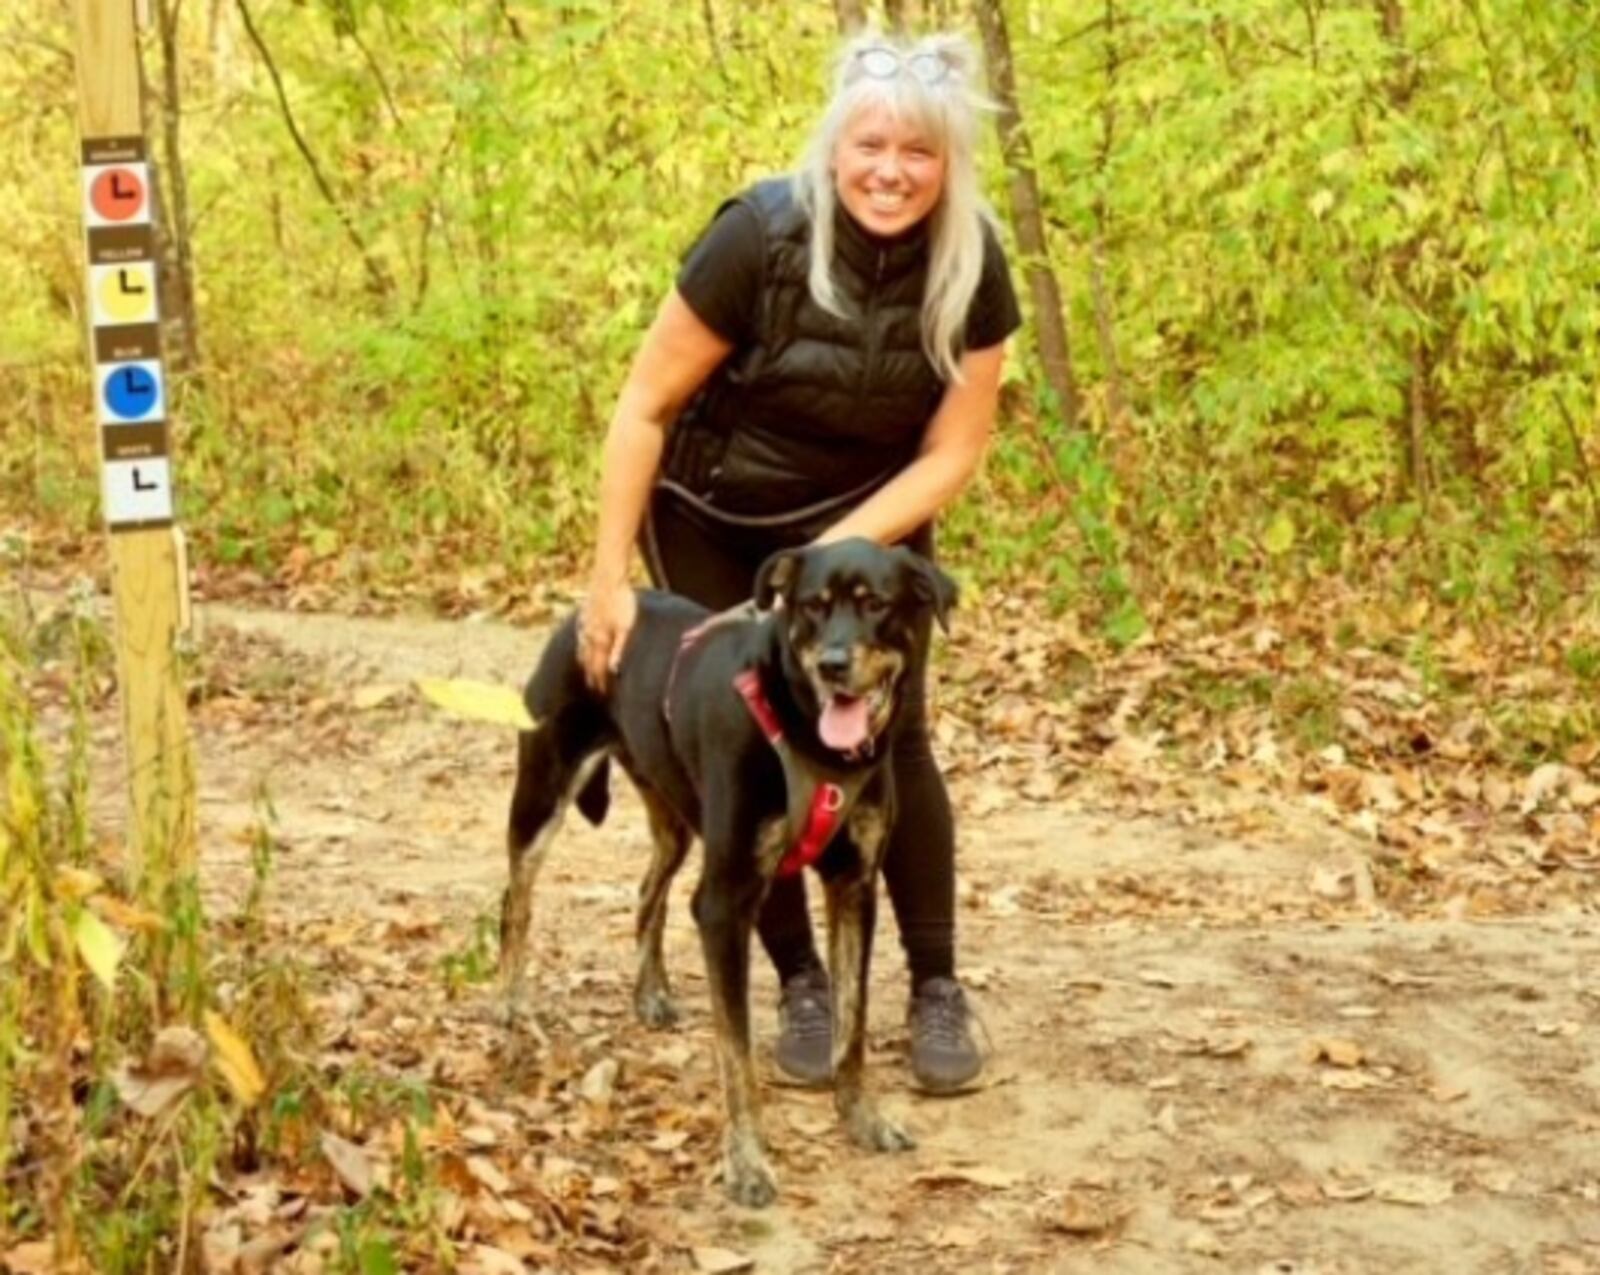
(100,948)
(235,1060)
(477,701)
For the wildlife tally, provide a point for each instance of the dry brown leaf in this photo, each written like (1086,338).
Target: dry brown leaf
(485,1171)
(176,1063)
(1080,1213)
(1338,1051)
(376,695)
(36,1257)
(720,1261)
(957,1236)
(490,1259)
(976,1175)
(1416,1190)
(350,1163)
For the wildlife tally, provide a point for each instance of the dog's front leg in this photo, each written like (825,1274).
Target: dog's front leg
(852,915)
(725,905)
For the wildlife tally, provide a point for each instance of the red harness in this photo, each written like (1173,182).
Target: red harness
(828,803)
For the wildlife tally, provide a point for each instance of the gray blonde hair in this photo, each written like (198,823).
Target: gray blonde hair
(948,112)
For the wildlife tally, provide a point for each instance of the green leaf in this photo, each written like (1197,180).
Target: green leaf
(377,1258)
(1279,538)
(100,948)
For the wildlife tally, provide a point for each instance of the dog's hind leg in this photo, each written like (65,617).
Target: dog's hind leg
(852,912)
(670,837)
(552,767)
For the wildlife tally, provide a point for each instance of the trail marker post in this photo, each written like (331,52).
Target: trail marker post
(130,394)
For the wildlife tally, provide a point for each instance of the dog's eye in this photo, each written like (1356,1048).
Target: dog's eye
(815,606)
(873,605)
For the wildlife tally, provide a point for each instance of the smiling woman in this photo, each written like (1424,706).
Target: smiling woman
(827,366)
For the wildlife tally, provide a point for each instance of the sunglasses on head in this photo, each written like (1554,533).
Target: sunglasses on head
(883,63)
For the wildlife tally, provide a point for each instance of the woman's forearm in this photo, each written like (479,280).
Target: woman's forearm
(912,497)
(628,467)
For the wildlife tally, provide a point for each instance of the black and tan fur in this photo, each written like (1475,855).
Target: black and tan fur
(850,618)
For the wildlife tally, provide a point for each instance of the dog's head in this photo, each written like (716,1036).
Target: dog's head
(854,614)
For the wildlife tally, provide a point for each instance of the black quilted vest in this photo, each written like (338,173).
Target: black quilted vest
(815,410)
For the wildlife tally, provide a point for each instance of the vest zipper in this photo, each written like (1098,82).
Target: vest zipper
(872,332)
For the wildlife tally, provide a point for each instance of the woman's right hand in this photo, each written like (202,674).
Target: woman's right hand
(605,620)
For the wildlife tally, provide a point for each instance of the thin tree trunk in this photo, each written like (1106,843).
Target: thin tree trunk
(178,297)
(1104,319)
(1400,85)
(899,19)
(1049,320)
(378,279)
(852,15)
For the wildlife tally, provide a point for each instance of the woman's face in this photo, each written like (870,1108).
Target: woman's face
(887,173)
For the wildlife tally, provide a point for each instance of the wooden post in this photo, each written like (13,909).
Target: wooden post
(130,395)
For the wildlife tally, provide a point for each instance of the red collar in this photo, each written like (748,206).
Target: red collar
(816,806)
(826,809)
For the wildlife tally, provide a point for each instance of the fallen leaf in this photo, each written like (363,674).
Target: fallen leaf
(1350,1081)
(1079,1214)
(1416,1190)
(485,1171)
(1448,1091)
(977,1175)
(350,1163)
(36,1257)
(721,1261)
(375,696)
(176,1062)
(1335,1050)
(477,701)
(599,1082)
(490,1259)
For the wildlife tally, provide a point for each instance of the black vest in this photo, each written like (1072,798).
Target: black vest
(816,408)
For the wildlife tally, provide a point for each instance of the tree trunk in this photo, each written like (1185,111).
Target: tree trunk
(1400,85)
(378,279)
(176,250)
(852,15)
(1049,321)
(899,19)
(1104,316)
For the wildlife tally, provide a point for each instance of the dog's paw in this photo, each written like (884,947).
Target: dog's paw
(873,1131)
(654,1008)
(749,1179)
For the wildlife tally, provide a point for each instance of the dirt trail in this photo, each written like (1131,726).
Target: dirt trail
(1155,994)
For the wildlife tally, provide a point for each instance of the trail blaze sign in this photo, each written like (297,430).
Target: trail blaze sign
(131,401)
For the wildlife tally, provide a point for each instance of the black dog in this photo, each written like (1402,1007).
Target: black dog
(763,735)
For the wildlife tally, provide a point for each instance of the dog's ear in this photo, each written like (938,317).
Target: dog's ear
(931,587)
(776,577)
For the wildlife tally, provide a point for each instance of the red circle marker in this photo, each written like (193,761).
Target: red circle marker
(117,194)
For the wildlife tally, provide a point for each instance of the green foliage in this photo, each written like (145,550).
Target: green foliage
(1350,280)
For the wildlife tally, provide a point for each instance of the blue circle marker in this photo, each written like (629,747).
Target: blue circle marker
(131,392)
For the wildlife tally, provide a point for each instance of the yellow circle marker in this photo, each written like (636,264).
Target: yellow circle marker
(127,293)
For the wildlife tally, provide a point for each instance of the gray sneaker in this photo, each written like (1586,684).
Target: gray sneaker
(804,1050)
(944,1057)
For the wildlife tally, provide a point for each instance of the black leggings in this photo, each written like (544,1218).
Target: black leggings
(716,566)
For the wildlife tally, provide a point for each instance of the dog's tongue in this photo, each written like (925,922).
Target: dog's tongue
(844,723)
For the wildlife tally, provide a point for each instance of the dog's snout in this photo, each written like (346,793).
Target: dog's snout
(834,662)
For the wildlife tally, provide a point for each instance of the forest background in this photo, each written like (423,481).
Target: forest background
(1325,304)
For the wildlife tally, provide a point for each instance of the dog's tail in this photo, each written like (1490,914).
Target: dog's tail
(594,798)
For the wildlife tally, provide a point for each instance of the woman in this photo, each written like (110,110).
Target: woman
(827,365)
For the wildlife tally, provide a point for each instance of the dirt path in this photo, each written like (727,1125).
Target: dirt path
(1199,1065)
